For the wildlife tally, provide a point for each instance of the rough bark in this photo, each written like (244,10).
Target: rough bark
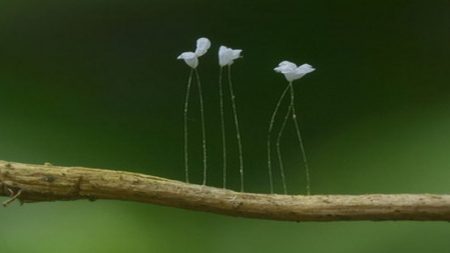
(34,183)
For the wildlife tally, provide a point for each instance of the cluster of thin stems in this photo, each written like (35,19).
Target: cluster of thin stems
(202,119)
(222,122)
(236,125)
(289,113)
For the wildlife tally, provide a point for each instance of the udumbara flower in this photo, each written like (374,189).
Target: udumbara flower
(203,44)
(291,72)
(228,55)
(226,58)
(191,58)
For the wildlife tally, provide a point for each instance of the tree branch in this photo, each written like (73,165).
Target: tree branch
(34,183)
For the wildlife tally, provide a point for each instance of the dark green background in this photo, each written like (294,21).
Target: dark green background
(96,83)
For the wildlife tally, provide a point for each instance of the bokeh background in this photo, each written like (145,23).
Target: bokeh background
(96,83)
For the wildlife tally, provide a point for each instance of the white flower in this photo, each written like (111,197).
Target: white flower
(191,58)
(203,44)
(228,55)
(291,72)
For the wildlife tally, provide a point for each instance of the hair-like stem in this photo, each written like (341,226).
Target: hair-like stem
(186,108)
(300,141)
(280,160)
(236,124)
(222,124)
(269,133)
(202,118)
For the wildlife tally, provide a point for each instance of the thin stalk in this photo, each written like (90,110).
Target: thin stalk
(186,108)
(202,117)
(280,160)
(269,133)
(236,124)
(300,141)
(222,124)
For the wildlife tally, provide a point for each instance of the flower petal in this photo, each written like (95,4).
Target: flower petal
(291,72)
(285,67)
(236,53)
(203,44)
(305,69)
(228,55)
(291,76)
(189,58)
(287,63)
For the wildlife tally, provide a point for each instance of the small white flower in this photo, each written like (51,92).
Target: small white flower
(291,72)
(191,58)
(228,55)
(203,44)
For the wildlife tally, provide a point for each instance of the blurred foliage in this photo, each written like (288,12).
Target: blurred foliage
(96,83)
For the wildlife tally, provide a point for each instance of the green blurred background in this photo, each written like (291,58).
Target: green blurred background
(96,83)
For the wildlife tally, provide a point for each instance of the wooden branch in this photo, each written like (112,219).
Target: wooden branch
(34,183)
